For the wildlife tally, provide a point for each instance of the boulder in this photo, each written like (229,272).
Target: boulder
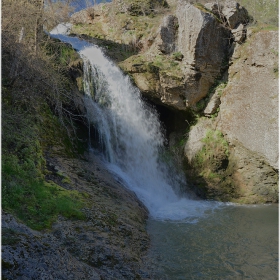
(204,43)
(249,105)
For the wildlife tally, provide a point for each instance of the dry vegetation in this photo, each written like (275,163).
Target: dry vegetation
(38,115)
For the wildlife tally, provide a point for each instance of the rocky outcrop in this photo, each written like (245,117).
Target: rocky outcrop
(167,34)
(249,104)
(179,64)
(189,48)
(234,14)
(248,121)
(202,39)
(195,41)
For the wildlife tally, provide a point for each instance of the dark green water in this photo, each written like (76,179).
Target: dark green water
(232,242)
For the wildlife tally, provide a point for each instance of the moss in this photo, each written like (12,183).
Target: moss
(210,170)
(10,237)
(30,130)
(63,54)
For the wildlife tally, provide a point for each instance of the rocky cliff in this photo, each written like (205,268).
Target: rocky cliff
(248,122)
(201,58)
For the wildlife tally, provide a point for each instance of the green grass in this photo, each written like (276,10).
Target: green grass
(214,144)
(25,193)
(264,13)
(33,200)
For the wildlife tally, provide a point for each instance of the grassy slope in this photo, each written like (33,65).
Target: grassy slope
(30,129)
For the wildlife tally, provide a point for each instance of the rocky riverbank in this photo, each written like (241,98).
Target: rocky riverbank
(109,243)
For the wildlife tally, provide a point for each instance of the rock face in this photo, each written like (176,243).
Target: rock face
(249,104)
(248,120)
(196,42)
(168,34)
(234,14)
(186,53)
(203,42)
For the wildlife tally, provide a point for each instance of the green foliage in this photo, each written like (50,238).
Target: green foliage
(214,141)
(62,54)
(178,56)
(25,193)
(214,150)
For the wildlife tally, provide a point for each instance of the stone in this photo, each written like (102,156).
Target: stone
(235,14)
(257,180)
(168,34)
(212,105)
(202,41)
(239,34)
(194,143)
(249,104)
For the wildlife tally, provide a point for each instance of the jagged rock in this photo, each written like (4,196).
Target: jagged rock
(212,105)
(167,35)
(84,17)
(202,41)
(248,119)
(249,104)
(235,14)
(239,34)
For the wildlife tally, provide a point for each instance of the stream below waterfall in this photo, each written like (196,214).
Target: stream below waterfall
(232,242)
(190,239)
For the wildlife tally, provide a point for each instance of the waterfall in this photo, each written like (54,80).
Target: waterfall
(130,133)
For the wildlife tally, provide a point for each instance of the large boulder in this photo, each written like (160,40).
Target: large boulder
(249,105)
(204,43)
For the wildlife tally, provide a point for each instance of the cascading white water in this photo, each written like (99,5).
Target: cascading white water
(130,132)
